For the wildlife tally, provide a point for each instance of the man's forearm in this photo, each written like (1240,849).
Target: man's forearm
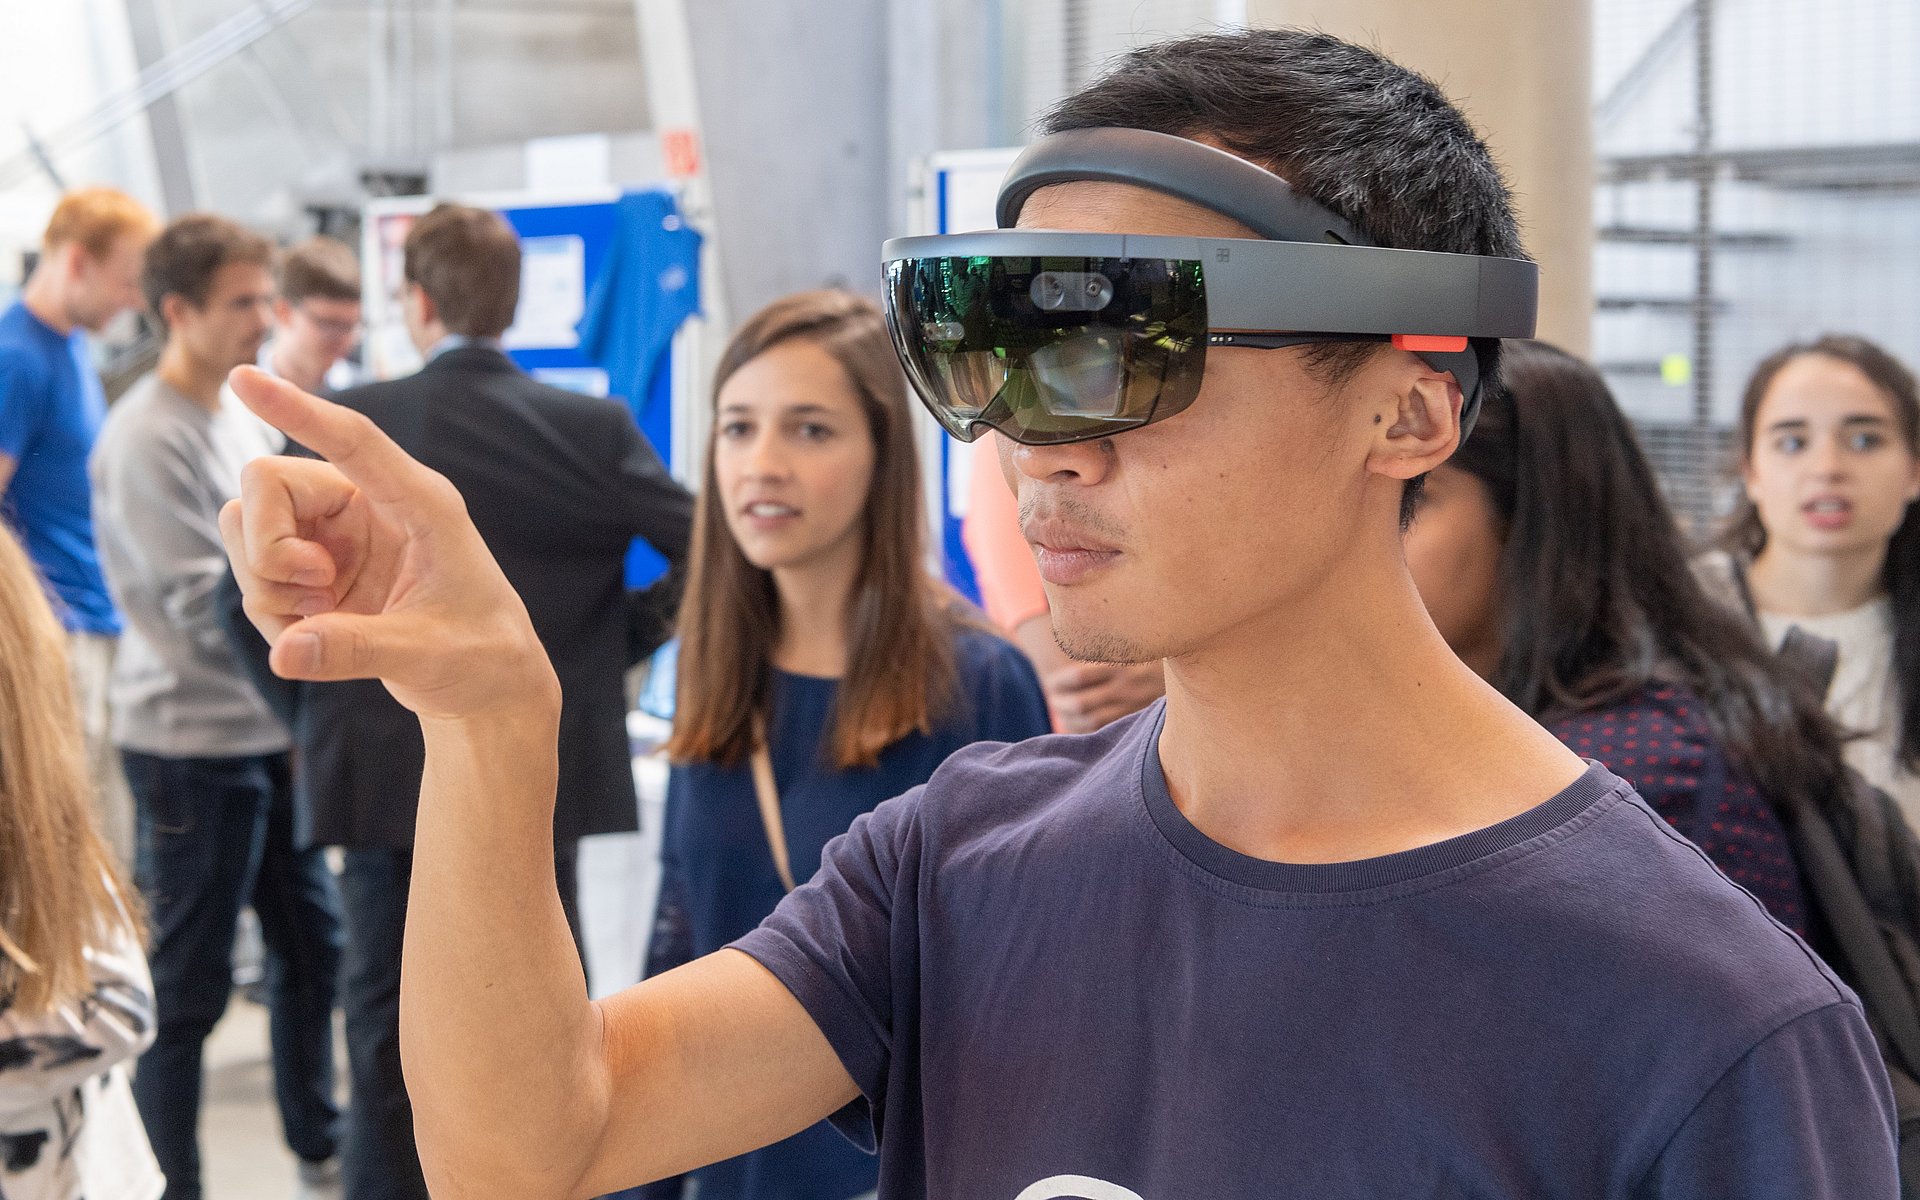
(500,1044)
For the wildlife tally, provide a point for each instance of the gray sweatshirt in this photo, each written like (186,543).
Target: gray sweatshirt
(161,471)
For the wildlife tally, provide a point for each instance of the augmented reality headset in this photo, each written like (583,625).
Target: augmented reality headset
(1053,337)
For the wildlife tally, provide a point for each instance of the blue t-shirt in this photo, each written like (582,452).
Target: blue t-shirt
(51,406)
(649,287)
(719,872)
(1046,982)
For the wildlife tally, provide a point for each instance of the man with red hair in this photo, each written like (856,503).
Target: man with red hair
(51,406)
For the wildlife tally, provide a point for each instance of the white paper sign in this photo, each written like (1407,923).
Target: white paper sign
(553,293)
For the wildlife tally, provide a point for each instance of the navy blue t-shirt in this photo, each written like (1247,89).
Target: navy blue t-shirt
(1659,741)
(51,406)
(719,875)
(1046,982)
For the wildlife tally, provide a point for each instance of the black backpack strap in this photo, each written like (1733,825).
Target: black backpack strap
(1814,657)
(1872,970)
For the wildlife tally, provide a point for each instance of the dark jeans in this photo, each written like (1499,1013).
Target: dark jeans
(380,1162)
(216,834)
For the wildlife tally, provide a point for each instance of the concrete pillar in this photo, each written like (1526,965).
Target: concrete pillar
(809,118)
(1522,70)
(150,45)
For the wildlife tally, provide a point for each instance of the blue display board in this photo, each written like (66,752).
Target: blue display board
(568,245)
(594,225)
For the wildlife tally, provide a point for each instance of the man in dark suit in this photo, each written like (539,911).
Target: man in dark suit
(559,485)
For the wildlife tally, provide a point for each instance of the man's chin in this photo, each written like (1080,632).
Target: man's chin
(1084,644)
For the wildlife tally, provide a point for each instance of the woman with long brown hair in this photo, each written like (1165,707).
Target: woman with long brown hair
(822,669)
(1553,567)
(76,1002)
(1827,537)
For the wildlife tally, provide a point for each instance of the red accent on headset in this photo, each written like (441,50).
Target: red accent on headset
(1429,343)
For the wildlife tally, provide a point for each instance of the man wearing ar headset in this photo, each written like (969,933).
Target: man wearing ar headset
(1333,921)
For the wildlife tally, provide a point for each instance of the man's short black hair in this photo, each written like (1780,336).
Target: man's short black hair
(1376,143)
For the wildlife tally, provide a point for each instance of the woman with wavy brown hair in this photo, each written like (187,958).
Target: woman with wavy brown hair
(822,668)
(1827,537)
(1552,565)
(76,1002)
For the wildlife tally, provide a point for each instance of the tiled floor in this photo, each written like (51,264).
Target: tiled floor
(244,1156)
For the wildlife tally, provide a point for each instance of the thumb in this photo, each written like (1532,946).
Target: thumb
(337,645)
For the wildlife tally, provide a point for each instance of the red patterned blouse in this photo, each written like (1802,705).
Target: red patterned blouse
(1659,742)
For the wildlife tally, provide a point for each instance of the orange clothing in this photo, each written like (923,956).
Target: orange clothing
(1010,586)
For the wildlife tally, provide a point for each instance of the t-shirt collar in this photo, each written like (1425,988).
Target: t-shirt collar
(1329,880)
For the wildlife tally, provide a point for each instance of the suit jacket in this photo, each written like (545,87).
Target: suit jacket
(559,484)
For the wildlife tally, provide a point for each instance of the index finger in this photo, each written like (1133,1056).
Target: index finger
(366,456)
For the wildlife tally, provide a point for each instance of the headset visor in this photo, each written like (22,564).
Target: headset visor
(1049,349)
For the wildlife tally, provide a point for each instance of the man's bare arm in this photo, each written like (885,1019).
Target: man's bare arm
(521,1087)
(7,468)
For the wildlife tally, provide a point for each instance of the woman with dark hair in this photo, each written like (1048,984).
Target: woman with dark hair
(822,669)
(1827,537)
(1552,565)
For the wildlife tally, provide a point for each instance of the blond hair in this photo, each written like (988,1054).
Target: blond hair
(96,218)
(59,886)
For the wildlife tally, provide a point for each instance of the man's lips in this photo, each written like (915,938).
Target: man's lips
(1065,555)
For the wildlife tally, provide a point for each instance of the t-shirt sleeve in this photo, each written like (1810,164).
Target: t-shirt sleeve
(1807,1114)
(51,1053)
(653,506)
(22,406)
(833,943)
(1010,586)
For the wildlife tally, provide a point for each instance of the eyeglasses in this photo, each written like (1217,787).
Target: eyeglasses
(330,326)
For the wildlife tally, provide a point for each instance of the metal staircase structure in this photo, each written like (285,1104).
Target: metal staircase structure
(1701,246)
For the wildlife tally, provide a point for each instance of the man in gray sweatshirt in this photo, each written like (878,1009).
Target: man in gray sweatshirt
(206,759)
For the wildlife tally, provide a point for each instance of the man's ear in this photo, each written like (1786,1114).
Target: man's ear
(1420,429)
(425,311)
(172,306)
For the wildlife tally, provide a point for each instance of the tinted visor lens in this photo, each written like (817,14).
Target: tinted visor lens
(1049,350)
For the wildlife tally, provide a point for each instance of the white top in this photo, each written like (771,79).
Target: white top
(343,374)
(1864,697)
(68,1126)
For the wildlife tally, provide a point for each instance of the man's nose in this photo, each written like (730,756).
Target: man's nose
(1084,463)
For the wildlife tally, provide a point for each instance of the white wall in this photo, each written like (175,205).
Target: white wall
(56,60)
